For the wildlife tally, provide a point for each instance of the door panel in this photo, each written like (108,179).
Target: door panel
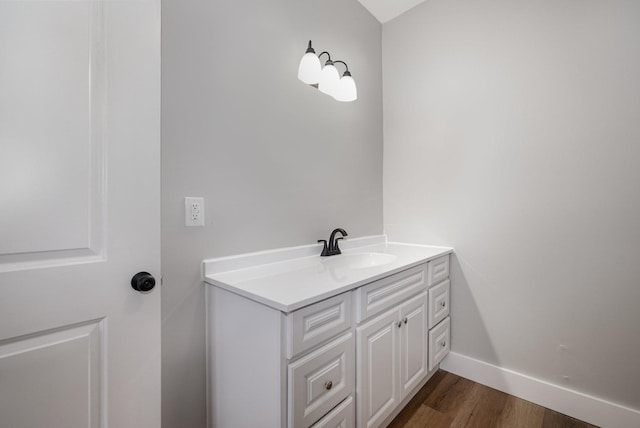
(79,213)
(49,370)
(51,114)
(377,381)
(413,339)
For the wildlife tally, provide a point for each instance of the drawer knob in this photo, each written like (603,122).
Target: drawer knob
(399,324)
(443,304)
(405,320)
(328,385)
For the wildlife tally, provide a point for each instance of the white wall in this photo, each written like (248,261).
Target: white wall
(278,163)
(512,132)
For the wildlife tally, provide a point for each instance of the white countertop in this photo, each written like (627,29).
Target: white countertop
(290,278)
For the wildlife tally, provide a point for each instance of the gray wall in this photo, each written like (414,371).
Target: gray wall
(278,163)
(512,132)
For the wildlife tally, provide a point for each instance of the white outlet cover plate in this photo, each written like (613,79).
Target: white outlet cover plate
(193,211)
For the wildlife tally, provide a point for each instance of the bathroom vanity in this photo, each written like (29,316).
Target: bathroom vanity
(298,340)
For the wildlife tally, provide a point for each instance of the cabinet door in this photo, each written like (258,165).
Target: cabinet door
(377,346)
(413,343)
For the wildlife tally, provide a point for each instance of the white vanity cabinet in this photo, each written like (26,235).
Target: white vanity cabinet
(279,356)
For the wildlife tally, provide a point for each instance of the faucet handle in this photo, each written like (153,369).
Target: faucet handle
(325,249)
(336,249)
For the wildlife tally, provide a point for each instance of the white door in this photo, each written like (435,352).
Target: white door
(377,348)
(413,343)
(79,213)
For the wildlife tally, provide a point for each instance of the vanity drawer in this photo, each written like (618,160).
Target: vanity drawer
(343,416)
(438,270)
(313,324)
(439,343)
(387,292)
(321,380)
(438,303)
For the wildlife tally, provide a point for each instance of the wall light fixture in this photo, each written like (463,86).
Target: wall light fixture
(327,79)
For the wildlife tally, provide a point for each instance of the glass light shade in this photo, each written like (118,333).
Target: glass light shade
(329,79)
(309,69)
(346,89)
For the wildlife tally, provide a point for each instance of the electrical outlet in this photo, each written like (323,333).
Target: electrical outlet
(193,211)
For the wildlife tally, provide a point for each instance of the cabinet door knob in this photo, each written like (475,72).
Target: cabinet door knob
(443,304)
(405,320)
(328,385)
(443,343)
(399,324)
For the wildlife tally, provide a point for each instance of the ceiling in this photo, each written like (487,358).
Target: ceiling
(386,10)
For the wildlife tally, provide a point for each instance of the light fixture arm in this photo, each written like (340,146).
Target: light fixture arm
(325,52)
(346,72)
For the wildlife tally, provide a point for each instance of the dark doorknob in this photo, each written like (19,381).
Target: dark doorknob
(143,282)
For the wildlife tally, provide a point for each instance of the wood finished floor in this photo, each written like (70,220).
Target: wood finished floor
(448,400)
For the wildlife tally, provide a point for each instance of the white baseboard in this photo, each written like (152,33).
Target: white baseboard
(572,403)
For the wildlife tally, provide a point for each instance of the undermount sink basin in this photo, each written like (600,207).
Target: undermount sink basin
(358,260)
